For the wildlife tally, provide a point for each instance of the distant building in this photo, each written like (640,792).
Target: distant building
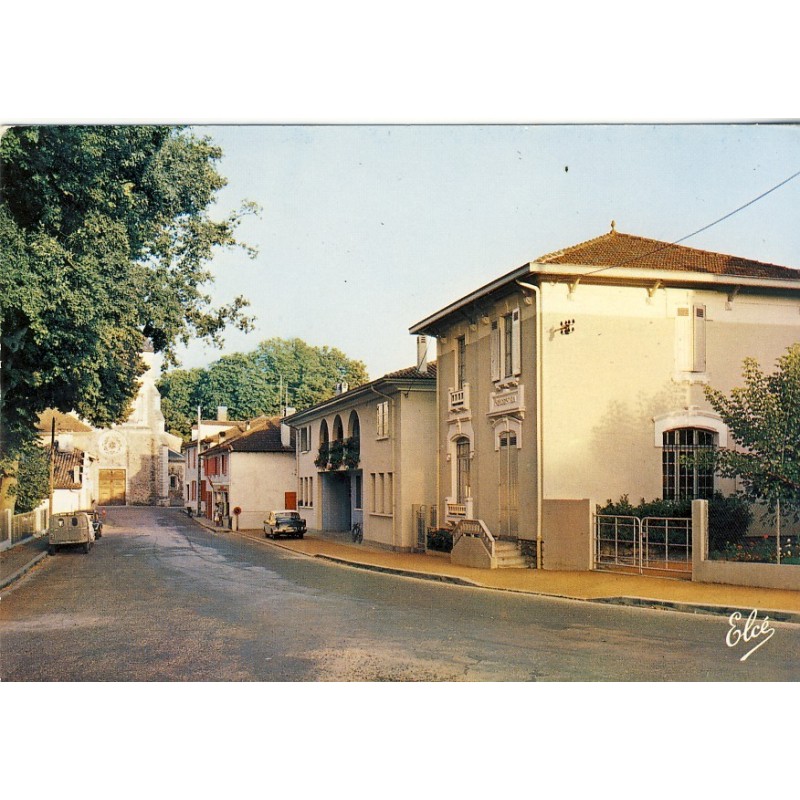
(250,472)
(132,458)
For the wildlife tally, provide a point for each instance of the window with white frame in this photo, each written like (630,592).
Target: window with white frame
(382,427)
(305,439)
(687,464)
(505,357)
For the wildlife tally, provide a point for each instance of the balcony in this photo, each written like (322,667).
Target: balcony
(459,400)
(339,453)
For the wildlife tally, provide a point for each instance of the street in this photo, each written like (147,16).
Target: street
(160,598)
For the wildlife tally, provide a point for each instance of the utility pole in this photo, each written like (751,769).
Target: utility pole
(52,467)
(199,439)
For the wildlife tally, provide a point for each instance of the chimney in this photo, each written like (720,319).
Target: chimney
(222,413)
(341,387)
(422,353)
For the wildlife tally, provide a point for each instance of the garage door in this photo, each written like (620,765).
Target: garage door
(112,487)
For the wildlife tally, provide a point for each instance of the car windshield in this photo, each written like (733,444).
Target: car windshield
(286,517)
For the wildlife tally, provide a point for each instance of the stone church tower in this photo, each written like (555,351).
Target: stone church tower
(133,458)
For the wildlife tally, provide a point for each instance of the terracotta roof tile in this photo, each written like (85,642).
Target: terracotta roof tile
(623,250)
(264,436)
(66,462)
(412,372)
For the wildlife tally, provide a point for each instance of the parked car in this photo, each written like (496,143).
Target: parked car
(71,529)
(284,523)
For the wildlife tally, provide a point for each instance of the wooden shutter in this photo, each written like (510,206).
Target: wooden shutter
(495,354)
(516,361)
(699,339)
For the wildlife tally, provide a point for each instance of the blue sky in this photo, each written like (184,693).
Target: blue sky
(365,230)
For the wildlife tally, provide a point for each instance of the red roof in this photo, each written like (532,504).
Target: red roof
(264,436)
(64,468)
(623,250)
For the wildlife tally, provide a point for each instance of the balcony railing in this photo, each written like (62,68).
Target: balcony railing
(339,453)
(459,399)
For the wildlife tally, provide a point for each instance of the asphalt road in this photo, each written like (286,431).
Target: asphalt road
(160,598)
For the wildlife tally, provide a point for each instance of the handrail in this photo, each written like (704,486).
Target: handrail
(477,529)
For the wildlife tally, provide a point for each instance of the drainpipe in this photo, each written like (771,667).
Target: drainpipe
(394,463)
(539,433)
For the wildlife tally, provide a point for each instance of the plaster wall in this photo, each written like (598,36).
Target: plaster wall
(258,483)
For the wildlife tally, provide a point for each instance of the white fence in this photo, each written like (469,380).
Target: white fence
(14,528)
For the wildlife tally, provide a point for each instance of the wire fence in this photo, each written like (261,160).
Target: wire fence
(752,533)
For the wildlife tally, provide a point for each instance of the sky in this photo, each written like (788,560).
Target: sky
(366,229)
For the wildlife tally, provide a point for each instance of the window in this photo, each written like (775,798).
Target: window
(461,361)
(505,347)
(686,469)
(305,439)
(373,480)
(462,470)
(383,420)
(691,338)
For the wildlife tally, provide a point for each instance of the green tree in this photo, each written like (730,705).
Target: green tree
(256,383)
(33,477)
(104,239)
(763,418)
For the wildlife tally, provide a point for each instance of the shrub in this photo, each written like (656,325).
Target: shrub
(440,539)
(728,517)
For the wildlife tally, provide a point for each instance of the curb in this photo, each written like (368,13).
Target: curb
(4,582)
(631,602)
(696,608)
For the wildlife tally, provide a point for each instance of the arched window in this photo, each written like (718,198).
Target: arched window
(687,469)
(323,432)
(353,426)
(463,490)
(338,429)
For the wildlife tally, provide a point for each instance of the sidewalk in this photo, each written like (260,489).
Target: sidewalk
(17,560)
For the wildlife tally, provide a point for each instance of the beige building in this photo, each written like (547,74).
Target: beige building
(368,456)
(581,375)
(249,473)
(132,458)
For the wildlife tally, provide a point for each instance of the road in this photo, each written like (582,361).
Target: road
(160,598)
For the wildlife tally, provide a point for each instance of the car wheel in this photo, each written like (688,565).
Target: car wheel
(51,550)
(300,535)
(86,547)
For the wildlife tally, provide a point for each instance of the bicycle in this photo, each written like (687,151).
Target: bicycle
(357,532)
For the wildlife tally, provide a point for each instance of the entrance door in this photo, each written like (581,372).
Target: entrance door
(290,501)
(112,487)
(508,486)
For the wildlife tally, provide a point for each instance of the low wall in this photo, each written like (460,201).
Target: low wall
(734,573)
(469,551)
(567,534)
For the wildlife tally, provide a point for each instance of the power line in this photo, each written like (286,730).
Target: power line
(699,230)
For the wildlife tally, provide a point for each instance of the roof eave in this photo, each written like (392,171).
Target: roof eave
(606,275)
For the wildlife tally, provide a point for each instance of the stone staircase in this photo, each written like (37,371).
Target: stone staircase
(509,555)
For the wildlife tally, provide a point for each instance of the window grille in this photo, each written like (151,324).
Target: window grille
(687,470)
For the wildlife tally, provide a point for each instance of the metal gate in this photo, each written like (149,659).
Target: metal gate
(652,545)
(420,526)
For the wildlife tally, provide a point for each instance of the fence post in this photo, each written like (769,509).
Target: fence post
(699,534)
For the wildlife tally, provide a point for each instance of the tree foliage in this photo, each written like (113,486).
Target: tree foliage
(249,384)
(32,483)
(763,418)
(104,239)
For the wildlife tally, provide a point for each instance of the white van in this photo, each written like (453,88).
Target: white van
(71,529)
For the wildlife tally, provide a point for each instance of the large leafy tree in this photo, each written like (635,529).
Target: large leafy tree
(763,418)
(260,382)
(105,238)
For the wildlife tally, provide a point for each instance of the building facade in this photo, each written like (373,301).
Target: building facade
(581,375)
(249,473)
(132,459)
(367,456)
